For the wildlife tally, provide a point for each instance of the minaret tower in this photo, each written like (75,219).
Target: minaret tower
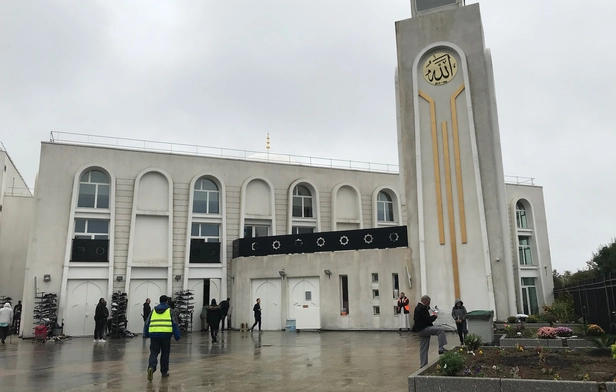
(450,158)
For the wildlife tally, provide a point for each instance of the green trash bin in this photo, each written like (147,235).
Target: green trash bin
(480,322)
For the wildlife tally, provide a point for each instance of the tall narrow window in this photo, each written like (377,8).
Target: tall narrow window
(395,285)
(520,216)
(344,295)
(529,296)
(302,202)
(525,251)
(385,207)
(206,197)
(375,278)
(93,190)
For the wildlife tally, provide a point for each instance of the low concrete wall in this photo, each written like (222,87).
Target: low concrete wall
(419,383)
(555,343)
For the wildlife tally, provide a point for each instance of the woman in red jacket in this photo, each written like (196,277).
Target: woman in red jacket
(403,310)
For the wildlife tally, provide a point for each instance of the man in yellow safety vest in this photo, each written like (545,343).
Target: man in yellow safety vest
(160,327)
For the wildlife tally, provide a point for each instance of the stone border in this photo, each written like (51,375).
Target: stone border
(419,383)
(555,343)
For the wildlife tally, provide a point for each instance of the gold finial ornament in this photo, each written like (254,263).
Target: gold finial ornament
(440,68)
(267,145)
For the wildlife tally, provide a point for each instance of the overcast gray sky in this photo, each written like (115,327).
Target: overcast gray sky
(318,76)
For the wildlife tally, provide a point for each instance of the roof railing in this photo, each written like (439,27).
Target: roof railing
(217,152)
(231,153)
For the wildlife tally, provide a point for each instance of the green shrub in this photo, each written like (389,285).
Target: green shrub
(614,351)
(532,319)
(472,341)
(451,362)
(603,341)
(550,319)
(512,319)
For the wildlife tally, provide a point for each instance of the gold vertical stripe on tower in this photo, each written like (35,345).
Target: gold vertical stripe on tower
(437,169)
(456,152)
(452,223)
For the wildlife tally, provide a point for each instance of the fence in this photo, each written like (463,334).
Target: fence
(595,300)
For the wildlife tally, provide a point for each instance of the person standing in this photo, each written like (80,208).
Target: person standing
(16,316)
(404,310)
(229,314)
(6,319)
(213,319)
(203,317)
(458,313)
(257,311)
(160,327)
(100,321)
(224,311)
(146,309)
(425,329)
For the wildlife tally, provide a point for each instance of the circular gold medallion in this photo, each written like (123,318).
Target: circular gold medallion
(440,68)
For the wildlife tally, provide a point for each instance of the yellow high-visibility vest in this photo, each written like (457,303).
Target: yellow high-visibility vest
(161,322)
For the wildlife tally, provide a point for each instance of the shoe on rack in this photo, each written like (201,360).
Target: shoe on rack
(150,374)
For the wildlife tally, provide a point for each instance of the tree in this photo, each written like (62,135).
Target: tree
(604,260)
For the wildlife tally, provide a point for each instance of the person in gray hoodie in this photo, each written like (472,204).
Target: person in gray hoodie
(458,313)
(6,319)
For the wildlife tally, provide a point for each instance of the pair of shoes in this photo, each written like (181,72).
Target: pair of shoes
(166,374)
(150,374)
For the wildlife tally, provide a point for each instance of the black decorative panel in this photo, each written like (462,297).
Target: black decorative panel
(331,241)
(204,252)
(90,250)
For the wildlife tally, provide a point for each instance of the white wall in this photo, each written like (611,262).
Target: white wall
(18,212)
(48,246)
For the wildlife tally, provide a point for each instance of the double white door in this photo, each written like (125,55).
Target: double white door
(269,290)
(140,289)
(82,298)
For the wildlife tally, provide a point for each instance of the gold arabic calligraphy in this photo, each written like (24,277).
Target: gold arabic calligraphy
(440,68)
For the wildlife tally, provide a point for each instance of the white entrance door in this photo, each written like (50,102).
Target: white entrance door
(82,298)
(269,290)
(303,292)
(140,289)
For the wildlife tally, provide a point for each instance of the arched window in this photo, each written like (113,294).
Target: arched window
(520,216)
(93,190)
(302,202)
(206,198)
(385,207)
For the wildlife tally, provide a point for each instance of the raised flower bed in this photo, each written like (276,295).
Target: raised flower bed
(519,369)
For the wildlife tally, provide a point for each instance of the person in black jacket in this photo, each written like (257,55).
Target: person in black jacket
(257,310)
(425,328)
(213,319)
(146,309)
(224,310)
(100,320)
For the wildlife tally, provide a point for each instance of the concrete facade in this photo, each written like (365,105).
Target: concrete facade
(451,160)
(16,211)
(152,254)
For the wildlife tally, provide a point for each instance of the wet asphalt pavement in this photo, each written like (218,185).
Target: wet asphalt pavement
(239,361)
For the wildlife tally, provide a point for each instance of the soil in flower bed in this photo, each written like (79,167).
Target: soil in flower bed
(540,363)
